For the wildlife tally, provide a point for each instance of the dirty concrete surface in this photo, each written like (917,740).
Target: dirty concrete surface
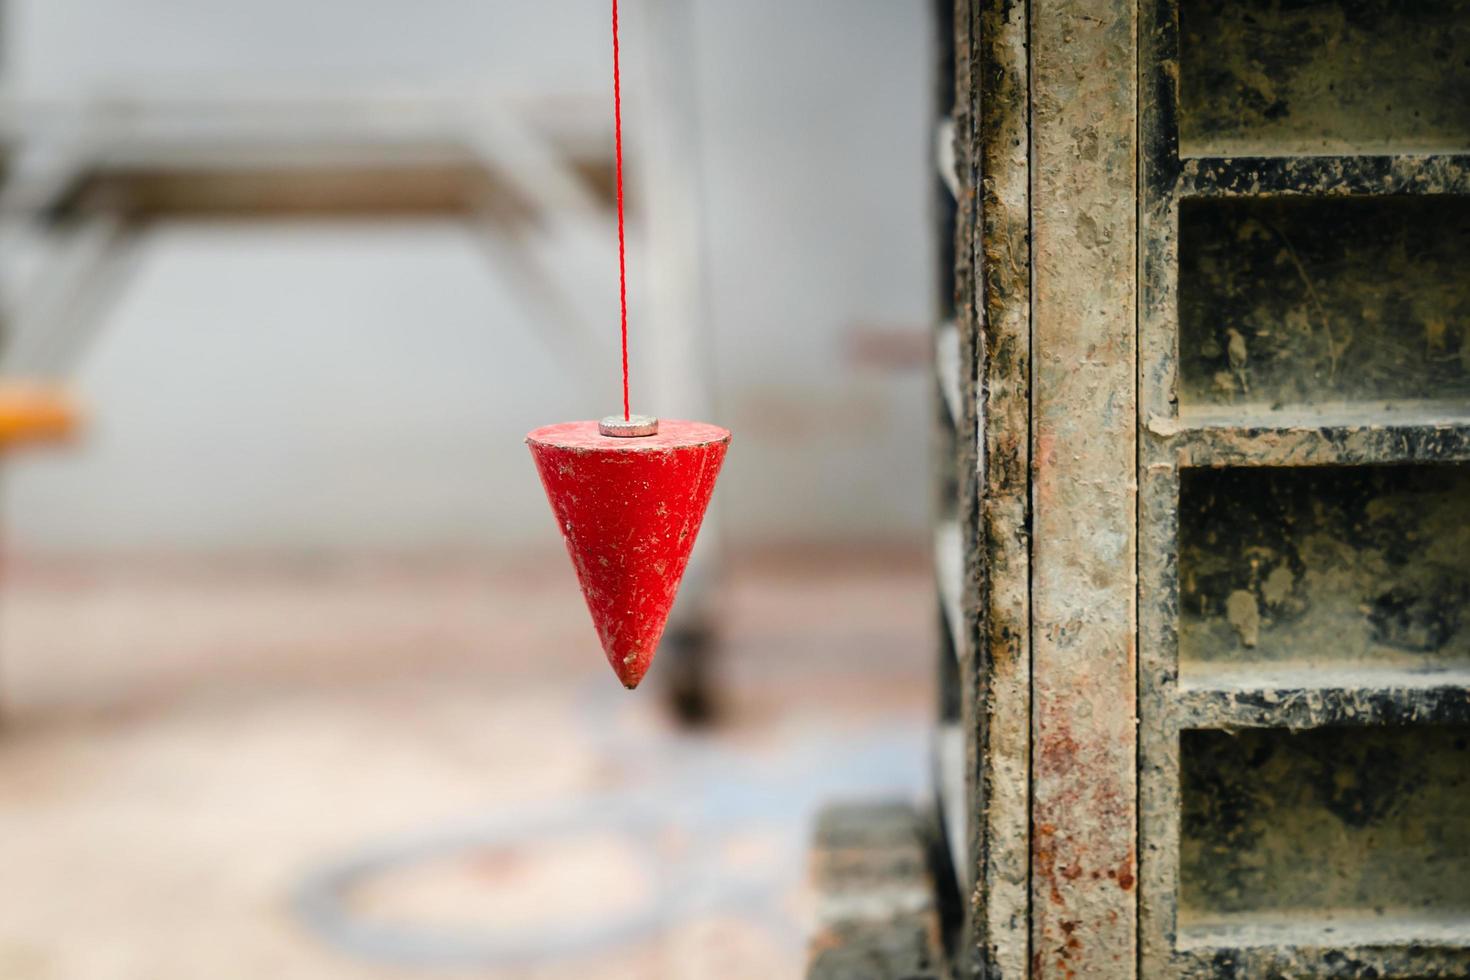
(423,769)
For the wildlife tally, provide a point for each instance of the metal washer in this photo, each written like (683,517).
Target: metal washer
(637,425)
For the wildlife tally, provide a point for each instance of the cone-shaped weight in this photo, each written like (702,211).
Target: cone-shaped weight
(629,509)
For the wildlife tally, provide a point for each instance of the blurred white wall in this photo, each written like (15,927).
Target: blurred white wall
(336,387)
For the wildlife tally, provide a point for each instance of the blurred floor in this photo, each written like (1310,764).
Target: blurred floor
(425,769)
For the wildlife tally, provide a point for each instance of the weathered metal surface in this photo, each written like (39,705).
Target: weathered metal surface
(1004,418)
(1302,78)
(1315,438)
(1329,826)
(1323,567)
(1293,842)
(1287,176)
(1158,794)
(1347,640)
(1395,698)
(1260,951)
(1084,225)
(879,919)
(1062,190)
(1324,299)
(992,279)
(956,569)
(1158,790)
(953,457)
(629,510)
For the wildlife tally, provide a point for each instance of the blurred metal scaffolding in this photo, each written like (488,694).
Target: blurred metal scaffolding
(83,181)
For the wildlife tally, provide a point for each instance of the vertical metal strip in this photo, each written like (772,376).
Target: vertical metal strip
(969,430)
(1084,491)
(1000,307)
(1158,357)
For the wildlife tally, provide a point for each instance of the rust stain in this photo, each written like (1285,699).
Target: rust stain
(1124,873)
(1044,858)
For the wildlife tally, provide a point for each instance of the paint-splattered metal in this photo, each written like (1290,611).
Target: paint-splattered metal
(629,509)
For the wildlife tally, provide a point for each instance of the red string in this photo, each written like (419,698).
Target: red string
(622,261)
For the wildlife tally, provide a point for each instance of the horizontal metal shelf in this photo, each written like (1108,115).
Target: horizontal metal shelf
(947,367)
(949,571)
(1274,929)
(1324,175)
(944,157)
(1274,944)
(1345,435)
(949,782)
(1314,698)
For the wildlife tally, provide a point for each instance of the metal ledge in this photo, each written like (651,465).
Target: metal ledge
(1271,945)
(949,783)
(1324,175)
(944,156)
(949,572)
(1311,698)
(947,368)
(1345,435)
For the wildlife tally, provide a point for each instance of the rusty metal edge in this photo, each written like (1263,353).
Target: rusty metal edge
(993,277)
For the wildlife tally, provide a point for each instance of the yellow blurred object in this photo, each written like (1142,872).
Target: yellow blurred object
(36,413)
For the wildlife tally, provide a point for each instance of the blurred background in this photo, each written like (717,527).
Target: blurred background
(296,679)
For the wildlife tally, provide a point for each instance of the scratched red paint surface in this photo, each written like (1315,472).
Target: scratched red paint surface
(629,510)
